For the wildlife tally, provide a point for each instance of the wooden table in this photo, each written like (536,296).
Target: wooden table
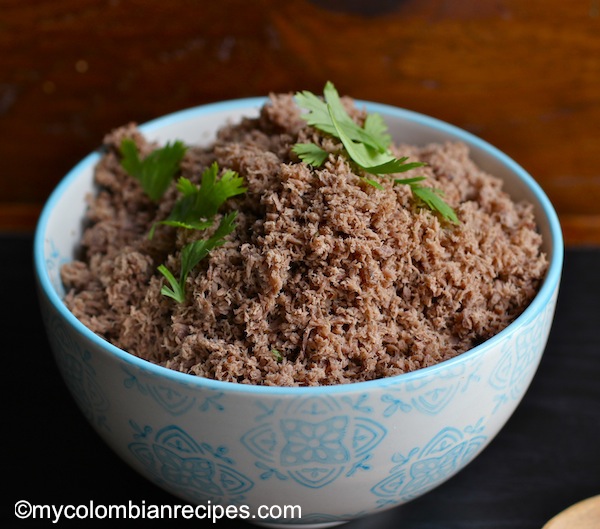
(524,75)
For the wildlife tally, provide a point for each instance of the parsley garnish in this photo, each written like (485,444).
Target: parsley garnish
(157,170)
(367,146)
(199,204)
(192,254)
(195,210)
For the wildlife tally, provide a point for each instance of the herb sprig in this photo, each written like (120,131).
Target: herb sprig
(199,204)
(192,254)
(156,171)
(195,210)
(367,146)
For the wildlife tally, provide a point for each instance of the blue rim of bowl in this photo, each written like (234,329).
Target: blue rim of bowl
(550,283)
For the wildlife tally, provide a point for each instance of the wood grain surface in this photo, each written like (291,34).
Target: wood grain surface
(522,74)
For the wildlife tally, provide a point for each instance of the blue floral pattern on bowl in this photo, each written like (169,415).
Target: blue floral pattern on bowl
(319,447)
(175,399)
(75,364)
(432,395)
(199,472)
(422,469)
(513,372)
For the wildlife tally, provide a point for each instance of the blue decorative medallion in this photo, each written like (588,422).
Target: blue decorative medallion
(424,468)
(199,472)
(316,449)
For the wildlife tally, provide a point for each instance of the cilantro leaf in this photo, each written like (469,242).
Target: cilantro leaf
(311,154)
(199,204)
(433,199)
(214,192)
(156,171)
(319,116)
(376,127)
(409,181)
(366,146)
(371,182)
(191,255)
(196,210)
(364,155)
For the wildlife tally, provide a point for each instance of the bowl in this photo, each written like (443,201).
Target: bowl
(334,452)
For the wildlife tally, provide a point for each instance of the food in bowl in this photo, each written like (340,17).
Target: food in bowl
(339,451)
(326,277)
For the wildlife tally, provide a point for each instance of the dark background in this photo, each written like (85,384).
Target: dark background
(522,74)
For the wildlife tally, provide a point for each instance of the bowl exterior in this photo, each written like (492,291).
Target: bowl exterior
(338,452)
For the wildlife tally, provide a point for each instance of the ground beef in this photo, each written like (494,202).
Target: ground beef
(326,280)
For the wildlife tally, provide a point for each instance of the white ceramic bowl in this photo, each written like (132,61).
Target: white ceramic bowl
(339,452)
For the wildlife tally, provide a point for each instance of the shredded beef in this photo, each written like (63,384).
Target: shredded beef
(325,280)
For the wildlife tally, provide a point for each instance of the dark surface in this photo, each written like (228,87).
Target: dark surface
(546,458)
